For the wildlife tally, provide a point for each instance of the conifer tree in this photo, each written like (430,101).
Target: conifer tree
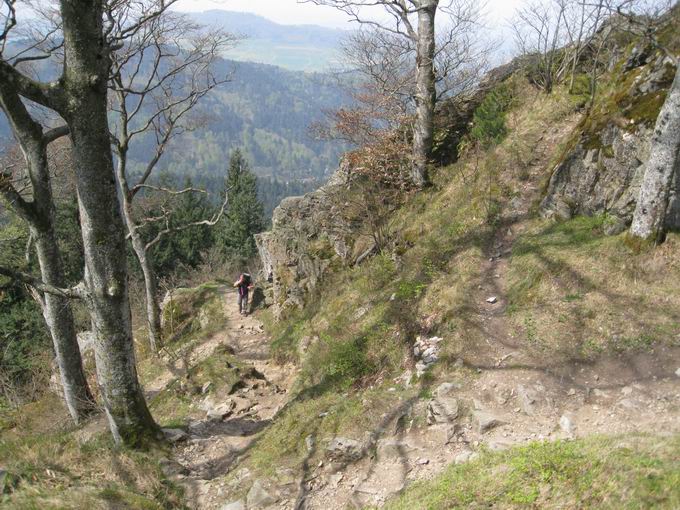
(245,213)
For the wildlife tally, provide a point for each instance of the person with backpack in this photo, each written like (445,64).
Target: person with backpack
(243,284)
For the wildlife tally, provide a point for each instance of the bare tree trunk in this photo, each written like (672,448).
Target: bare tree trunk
(86,71)
(153,309)
(426,92)
(664,160)
(59,318)
(40,216)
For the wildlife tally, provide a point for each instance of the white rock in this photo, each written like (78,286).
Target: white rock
(677,372)
(566,424)
(234,505)
(258,497)
(485,421)
(492,299)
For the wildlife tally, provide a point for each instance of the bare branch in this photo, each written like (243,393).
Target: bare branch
(77,292)
(211,222)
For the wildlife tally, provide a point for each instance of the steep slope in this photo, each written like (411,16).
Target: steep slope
(482,327)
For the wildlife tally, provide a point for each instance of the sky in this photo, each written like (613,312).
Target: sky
(289,12)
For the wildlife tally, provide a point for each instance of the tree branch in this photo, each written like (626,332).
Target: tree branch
(77,292)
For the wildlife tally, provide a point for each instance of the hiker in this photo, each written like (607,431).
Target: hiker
(244,284)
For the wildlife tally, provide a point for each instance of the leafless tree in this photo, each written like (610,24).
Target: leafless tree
(91,32)
(409,31)
(540,31)
(159,75)
(32,199)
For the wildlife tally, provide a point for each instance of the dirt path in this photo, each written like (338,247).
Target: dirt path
(214,444)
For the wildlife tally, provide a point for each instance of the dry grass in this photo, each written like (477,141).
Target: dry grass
(577,292)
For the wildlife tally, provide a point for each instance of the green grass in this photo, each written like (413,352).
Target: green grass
(54,470)
(627,472)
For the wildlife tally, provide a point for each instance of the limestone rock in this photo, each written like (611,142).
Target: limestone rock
(485,421)
(342,448)
(603,172)
(259,497)
(234,505)
(566,424)
(526,399)
(221,411)
(175,435)
(443,408)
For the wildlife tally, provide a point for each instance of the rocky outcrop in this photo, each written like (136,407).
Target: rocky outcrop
(315,232)
(603,170)
(310,235)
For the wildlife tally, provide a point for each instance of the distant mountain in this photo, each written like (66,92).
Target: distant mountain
(296,47)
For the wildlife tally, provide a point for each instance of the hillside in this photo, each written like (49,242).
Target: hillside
(295,47)
(266,111)
(500,343)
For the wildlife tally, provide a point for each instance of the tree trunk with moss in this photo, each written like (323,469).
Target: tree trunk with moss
(664,159)
(86,71)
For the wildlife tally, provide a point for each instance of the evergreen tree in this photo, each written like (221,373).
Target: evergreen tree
(245,213)
(184,246)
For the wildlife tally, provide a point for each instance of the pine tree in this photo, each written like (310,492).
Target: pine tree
(245,213)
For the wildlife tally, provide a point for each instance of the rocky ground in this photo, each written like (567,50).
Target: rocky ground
(498,395)
(491,405)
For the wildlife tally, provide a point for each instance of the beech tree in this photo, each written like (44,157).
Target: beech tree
(38,211)
(159,74)
(79,97)
(413,23)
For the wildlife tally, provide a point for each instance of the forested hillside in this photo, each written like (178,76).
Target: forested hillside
(265,110)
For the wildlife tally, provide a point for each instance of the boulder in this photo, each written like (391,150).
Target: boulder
(444,407)
(485,421)
(221,411)
(259,496)
(308,234)
(342,448)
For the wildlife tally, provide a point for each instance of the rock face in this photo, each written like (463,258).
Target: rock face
(603,170)
(309,234)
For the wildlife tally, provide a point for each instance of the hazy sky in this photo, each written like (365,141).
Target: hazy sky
(291,12)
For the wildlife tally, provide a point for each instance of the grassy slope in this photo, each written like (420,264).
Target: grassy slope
(599,472)
(50,466)
(572,291)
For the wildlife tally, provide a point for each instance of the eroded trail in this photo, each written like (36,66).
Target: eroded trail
(231,416)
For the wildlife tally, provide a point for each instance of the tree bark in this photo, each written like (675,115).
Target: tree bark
(40,216)
(426,92)
(153,309)
(664,159)
(86,70)
(59,318)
